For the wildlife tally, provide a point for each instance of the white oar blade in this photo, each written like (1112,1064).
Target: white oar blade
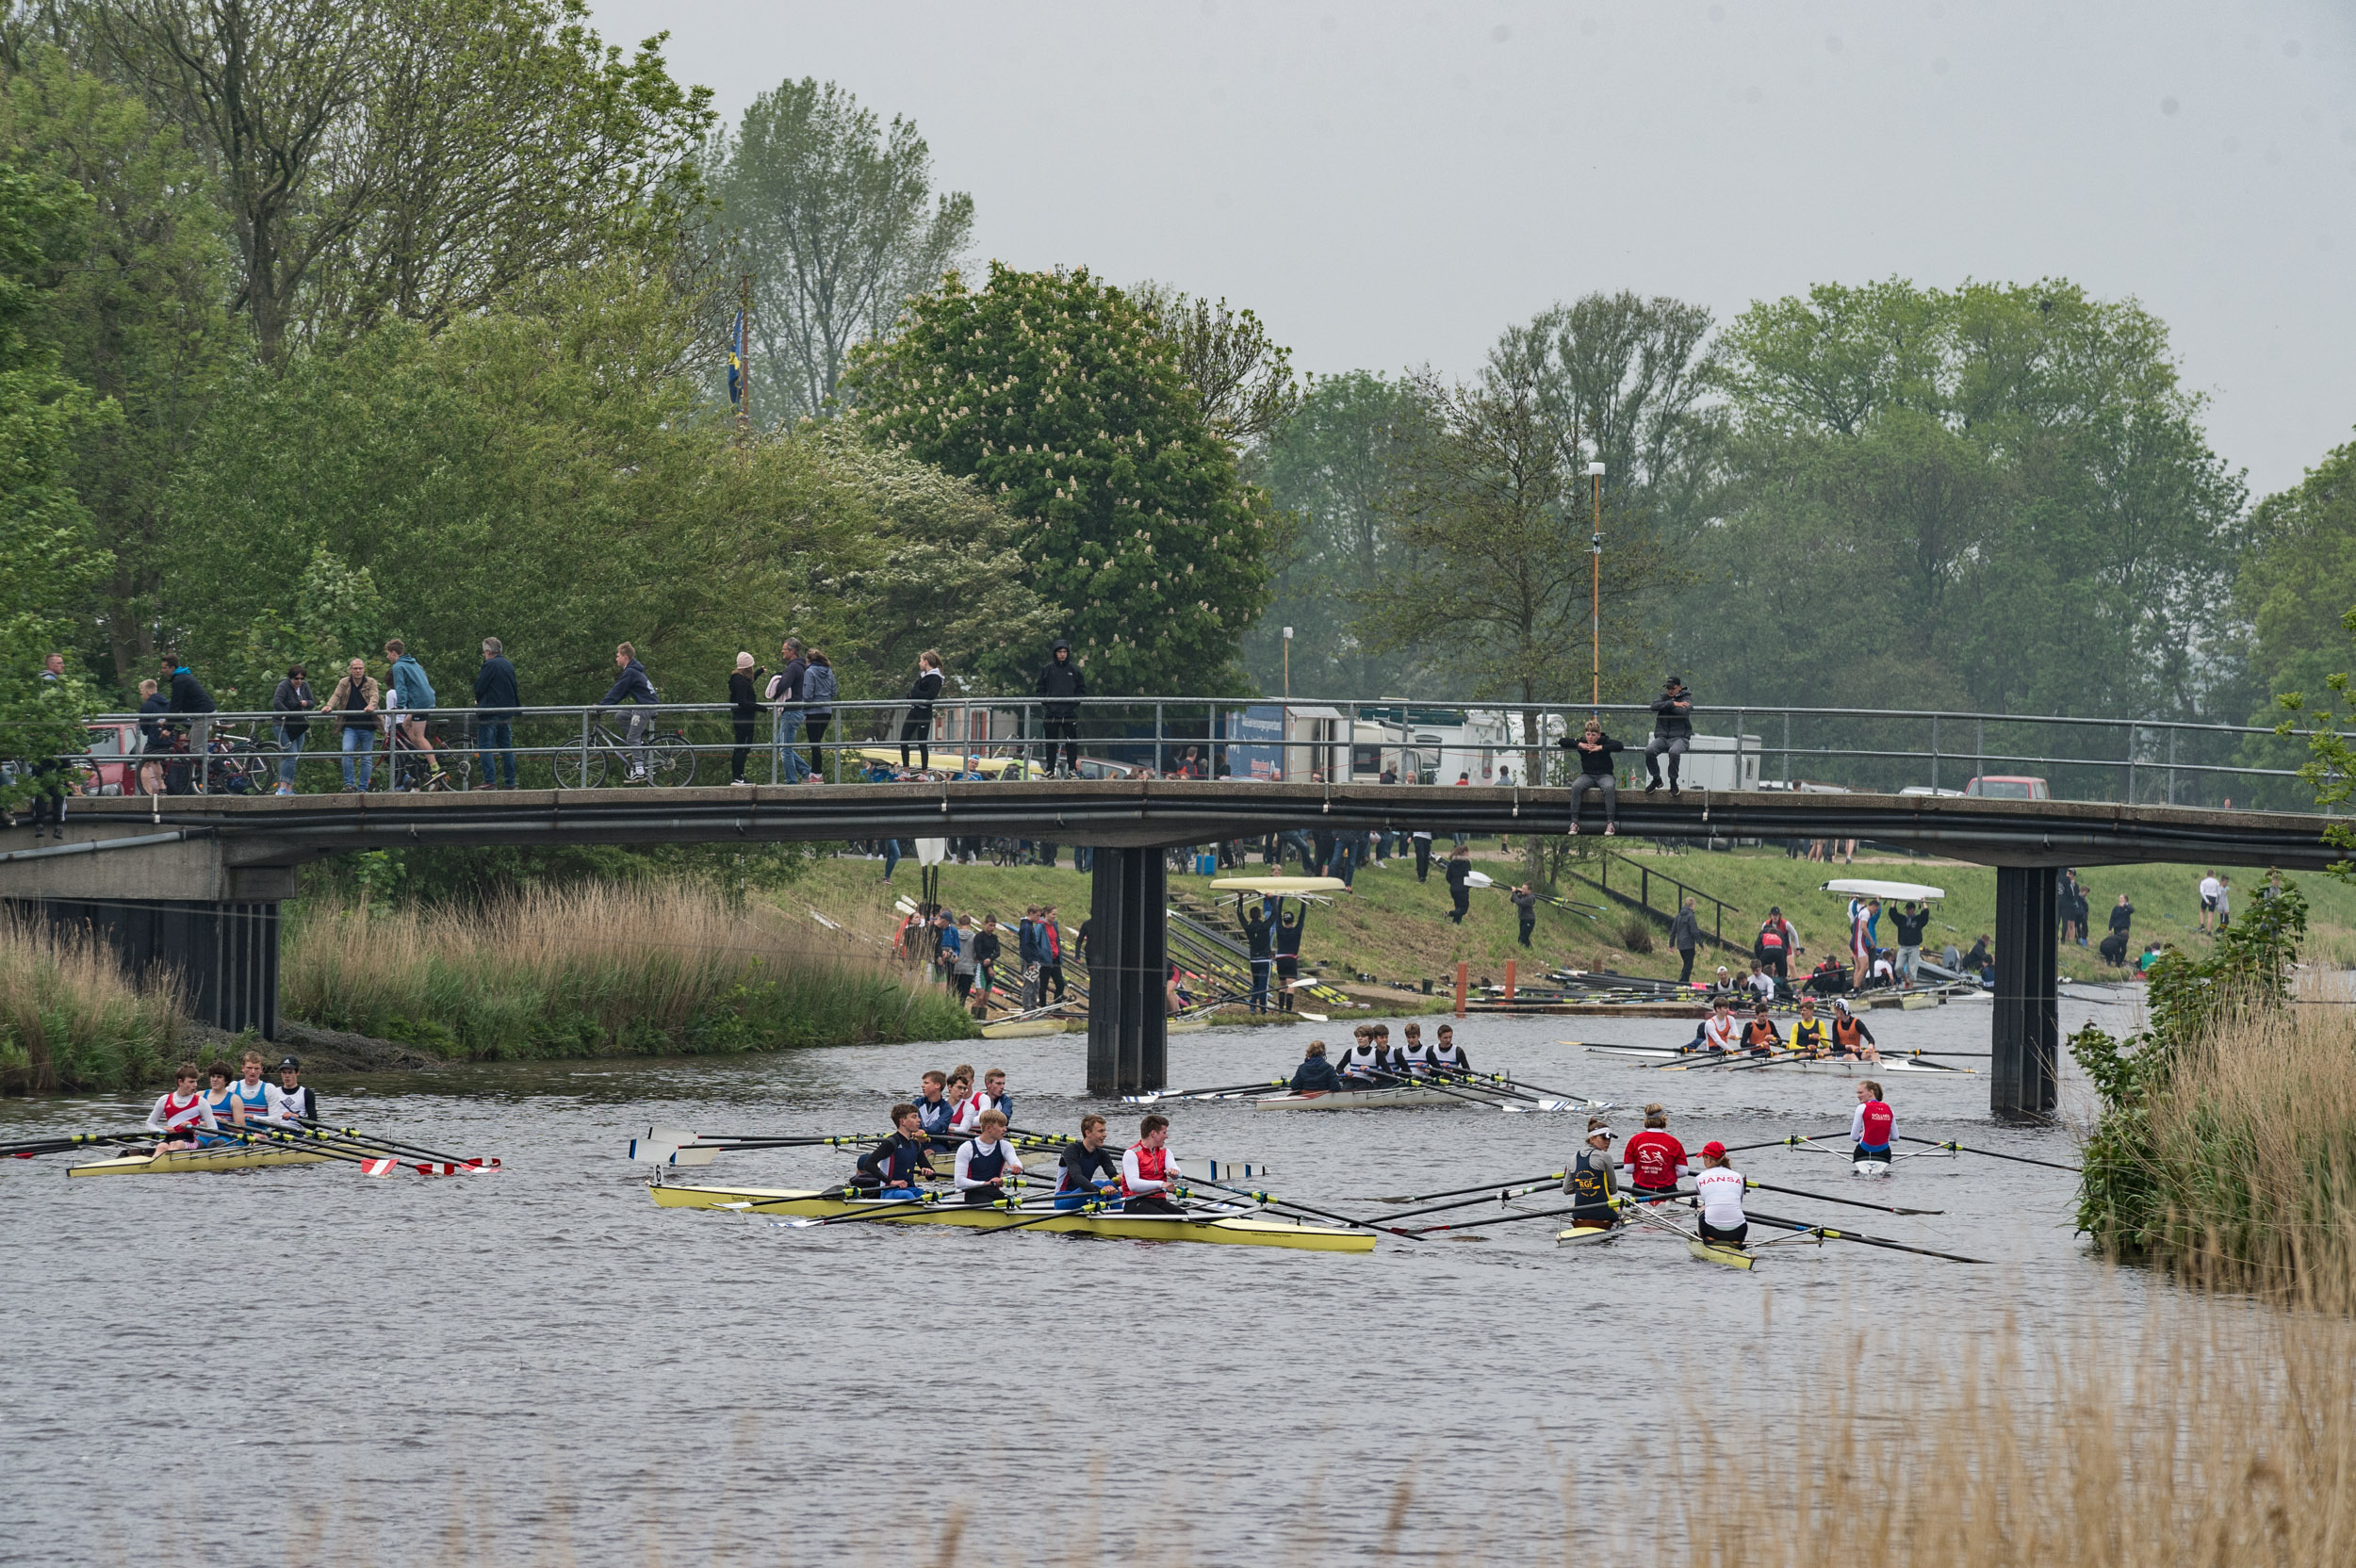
(692,1157)
(1314,1017)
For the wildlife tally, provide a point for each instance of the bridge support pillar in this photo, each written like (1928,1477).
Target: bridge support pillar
(1127,964)
(225,955)
(2026,1039)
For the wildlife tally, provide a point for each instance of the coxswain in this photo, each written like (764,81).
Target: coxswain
(1759,1035)
(1720,1034)
(180,1111)
(1850,1034)
(295,1100)
(1718,1189)
(1809,1037)
(1446,1056)
(1088,1169)
(891,1168)
(1874,1125)
(986,1160)
(1589,1181)
(1145,1173)
(935,1110)
(1413,1058)
(992,1096)
(1316,1075)
(252,1100)
(1654,1159)
(1360,1067)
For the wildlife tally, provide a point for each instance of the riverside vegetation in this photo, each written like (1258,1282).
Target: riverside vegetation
(70,1017)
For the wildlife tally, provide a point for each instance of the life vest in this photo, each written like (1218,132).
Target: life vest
(1879,1120)
(1153,1165)
(1846,1032)
(1758,1032)
(1771,938)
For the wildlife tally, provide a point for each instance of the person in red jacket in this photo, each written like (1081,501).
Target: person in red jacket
(1655,1160)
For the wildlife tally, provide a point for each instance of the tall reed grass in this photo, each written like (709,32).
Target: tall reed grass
(71,1020)
(597,970)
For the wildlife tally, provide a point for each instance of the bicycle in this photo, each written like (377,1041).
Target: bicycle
(669,760)
(438,770)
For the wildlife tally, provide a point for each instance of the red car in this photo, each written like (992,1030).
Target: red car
(114,767)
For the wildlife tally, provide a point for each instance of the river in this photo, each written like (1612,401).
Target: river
(539,1366)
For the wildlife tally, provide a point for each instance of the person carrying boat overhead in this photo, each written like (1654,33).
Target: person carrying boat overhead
(986,1160)
(1655,1160)
(1851,1036)
(890,1169)
(1872,1126)
(1720,1033)
(1718,1189)
(1446,1056)
(1589,1181)
(1360,1065)
(1145,1171)
(294,1098)
(180,1111)
(992,1096)
(1758,1036)
(1316,1075)
(1288,925)
(1809,1036)
(1088,1170)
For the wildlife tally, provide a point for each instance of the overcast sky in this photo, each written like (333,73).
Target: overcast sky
(1390,184)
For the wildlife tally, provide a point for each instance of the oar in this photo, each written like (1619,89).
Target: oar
(1154,1096)
(1270,1201)
(1793,1140)
(1504,1220)
(1828,1198)
(1459,1192)
(1532,1090)
(1454,1092)
(1831,1234)
(882,1211)
(1503,1193)
(64,1141)
(374,1140)
(1990,1153)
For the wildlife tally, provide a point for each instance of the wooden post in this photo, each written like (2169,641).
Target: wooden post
(1509,979)
(1464,977)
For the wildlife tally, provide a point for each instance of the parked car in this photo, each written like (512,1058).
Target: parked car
(1105,767)
(1926,790)
(2002,786)
(114,760)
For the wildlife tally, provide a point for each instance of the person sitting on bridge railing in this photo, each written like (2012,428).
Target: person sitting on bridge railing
(1672,732)
(1593,748)
(635,688)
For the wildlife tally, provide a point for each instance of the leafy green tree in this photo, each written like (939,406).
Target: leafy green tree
(835,217)
(46,559)
(1056,392)
(2292,591)
(1243,378)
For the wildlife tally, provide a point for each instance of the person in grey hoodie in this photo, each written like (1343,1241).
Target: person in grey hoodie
(1685,933)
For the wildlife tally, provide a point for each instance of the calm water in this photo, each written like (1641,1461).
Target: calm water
(540,1366)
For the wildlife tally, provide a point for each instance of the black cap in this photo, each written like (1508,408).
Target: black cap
(1673,681)
(286,1062)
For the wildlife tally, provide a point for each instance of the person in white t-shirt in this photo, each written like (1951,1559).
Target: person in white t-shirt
(2211,891)
(1718,1188)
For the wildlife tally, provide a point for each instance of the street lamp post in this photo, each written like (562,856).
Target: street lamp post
(1595,594)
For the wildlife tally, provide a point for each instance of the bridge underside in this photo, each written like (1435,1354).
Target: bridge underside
(204,868)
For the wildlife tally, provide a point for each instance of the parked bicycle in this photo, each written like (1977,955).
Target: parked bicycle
(667,760)
(441,770)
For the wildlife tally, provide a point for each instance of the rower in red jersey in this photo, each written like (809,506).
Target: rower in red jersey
(1874,1125)
(1655,1160)
(1145,1171)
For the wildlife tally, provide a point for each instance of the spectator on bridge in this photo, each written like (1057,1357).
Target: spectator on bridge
(412,693)
(744,703)
(918,725)
(1672,732)
(154,743)
(785,690)
(190,697)
(1685,934)
(357,696)
(1059,682)
(496,700)
(292,700)
(631,686)
(818,698)
(1593,748)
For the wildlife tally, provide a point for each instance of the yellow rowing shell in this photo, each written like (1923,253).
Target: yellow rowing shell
(1236,1231)
(181,1161)
(1730,1256)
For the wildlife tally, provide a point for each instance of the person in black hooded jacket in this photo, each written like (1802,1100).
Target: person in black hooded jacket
(1062,680)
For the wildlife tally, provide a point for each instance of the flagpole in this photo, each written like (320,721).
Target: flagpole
(745,359)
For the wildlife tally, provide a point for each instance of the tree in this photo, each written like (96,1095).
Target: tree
(835,217)
(1242,378)
(47,562)
(1054,391)
(2298,577)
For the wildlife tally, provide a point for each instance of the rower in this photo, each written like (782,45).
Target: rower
(253,1099)
(1872,1126)
(1653,1158)
(1808,1034)
(1719,1190)
(1759,1035)
(1446,1056)
(1849,1032)
(934,1109)
(1145,1179)
(1088,1170)
(1386,1058)
(1359,1066)
(216,1097)
(295,1101)
(180,1111)
(1316,1075)
(1413,1058)
(987,1159)
(891,1168)
(992,1096)
(1589,1181)
(1719,1033)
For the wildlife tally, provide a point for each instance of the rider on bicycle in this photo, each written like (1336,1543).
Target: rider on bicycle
(635,688)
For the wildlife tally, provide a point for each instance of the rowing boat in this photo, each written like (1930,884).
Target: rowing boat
(178,1161)
(1232,1229)
(1733,1257)
(1586,1235)
(1832,1067)
(1869,1167)
(1368,1100)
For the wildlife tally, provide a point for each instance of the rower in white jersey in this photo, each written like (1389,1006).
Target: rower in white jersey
(992,1096)
(1446,1056)
(1415,1058)
(1719,1035)
(180,1111)
(295,1100)
(1361,1065)
(252,1100)
(1718,1190)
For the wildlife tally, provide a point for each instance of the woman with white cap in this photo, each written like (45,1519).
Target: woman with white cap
(1589,1181)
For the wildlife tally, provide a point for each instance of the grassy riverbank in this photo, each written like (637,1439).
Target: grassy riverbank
(70,1019)
(598,970)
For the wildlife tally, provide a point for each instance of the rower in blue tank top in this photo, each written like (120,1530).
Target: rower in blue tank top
(253,1099)
(216,1101)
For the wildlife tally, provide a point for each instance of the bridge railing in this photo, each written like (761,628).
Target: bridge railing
(2130,761)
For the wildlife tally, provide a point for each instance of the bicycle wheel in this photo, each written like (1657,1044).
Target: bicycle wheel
(670,763)
(576,772)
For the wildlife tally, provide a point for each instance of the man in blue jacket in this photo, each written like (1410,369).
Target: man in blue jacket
(495,702)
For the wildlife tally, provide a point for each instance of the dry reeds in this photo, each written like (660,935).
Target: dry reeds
(647,968)
(71,1018)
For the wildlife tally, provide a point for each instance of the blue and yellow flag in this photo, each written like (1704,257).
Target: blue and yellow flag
(736,364)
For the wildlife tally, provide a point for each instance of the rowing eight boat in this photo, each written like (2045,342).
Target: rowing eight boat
(1234,1229)
(1396,1095)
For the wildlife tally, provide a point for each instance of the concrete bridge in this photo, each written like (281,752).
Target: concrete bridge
(196,881)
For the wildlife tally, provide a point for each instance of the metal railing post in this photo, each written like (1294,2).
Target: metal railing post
(1934,753)
(2171,764)
(1979,747)
(585,748)
(1159,717)
(2131,762)
(1786,748)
